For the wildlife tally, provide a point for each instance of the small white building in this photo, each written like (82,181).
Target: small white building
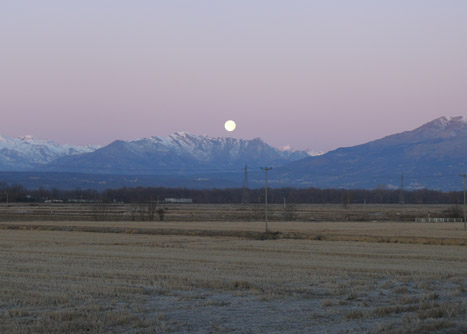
(178,200)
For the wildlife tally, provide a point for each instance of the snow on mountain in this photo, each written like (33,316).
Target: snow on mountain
(448,121)
(431,156)
(445,125)
(27,152)
(180,151)
(203,148)
(311,153)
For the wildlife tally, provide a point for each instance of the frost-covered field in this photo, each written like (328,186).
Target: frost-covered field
(56,282)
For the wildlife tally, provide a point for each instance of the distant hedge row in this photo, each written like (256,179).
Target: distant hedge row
(17,193)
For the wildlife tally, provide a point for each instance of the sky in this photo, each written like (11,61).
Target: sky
(311,74)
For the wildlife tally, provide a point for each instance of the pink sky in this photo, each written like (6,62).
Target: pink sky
(312,74)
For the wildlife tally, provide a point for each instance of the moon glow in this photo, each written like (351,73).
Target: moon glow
(230,125)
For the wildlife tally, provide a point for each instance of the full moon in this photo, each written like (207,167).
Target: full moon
(230,126)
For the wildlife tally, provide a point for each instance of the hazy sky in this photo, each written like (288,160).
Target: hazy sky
(312,74)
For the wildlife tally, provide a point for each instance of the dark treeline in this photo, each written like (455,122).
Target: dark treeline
(17,193)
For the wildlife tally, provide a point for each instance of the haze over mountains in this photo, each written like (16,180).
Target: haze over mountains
(430,156)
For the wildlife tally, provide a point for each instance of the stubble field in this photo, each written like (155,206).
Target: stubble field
(57,277)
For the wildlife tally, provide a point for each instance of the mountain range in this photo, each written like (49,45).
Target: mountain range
(27,153)
(179,153)
(430,156)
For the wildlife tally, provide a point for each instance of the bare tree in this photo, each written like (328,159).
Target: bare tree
(346,199)
(289,211)
(142,210)
(133,212)
(101,211)
(151,210)
(161,213)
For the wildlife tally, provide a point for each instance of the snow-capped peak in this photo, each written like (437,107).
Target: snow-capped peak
(28,151)
(205,148)
(26,138)
(314,153)
(285,148)
(447,121)
(181,152)
(182,134)
(288,148)
(442,127)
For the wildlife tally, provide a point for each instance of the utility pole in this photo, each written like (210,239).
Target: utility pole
(401,190)
(266,195)
(7,200)
(465,212)
(245,186)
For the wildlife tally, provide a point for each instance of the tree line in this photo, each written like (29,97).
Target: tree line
(18,193)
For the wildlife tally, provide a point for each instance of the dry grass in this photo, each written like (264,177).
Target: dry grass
(380,232)
(59,281)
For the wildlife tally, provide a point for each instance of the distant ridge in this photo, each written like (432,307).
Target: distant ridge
(430,156)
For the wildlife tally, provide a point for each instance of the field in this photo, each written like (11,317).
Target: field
(224,212)
(230,277)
